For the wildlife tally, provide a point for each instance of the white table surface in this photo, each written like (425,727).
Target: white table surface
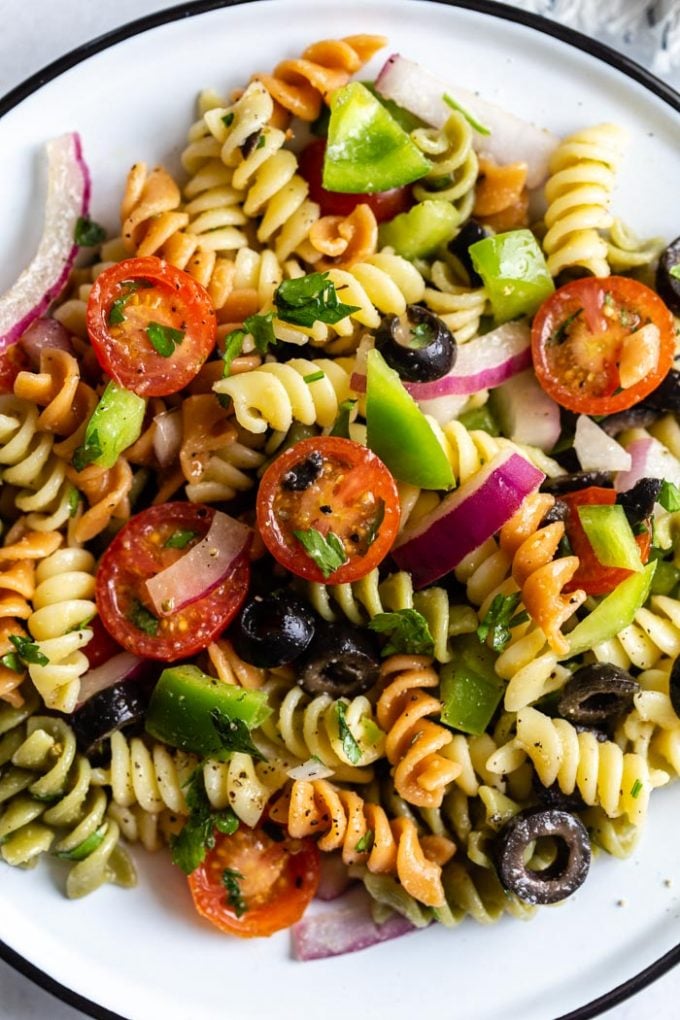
(34,32)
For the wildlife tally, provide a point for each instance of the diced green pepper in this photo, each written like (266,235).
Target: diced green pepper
(611,536)
(615,612)
(115,424)
(514,272)
(481,418)
(470,690)
(666,577)
(399,432)
(367,150)
(404,118)
(182,709)
(421,230)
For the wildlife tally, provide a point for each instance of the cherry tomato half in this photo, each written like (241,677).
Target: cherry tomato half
(12,361)
(334,491)
(602,345)
(592,576)
(151,325)
(249,885)
(140,551)
(385,204)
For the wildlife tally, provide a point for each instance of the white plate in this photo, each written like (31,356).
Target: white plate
(144,953)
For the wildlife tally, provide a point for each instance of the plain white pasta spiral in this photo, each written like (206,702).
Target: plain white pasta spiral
(276,394)
(460,307)
(654,632)
(63,604)
(227,472)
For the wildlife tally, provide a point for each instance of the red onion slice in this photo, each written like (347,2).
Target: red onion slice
(167,436)
(596,451)
(649,459)
(68,197)
(124,666)
(526,413)
(511,140)
(43,335)
(344,930)
(468,517)
(334,880)
(202,569)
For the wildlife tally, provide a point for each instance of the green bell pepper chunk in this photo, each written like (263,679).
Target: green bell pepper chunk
(421,230)
(404,118)
(481,418)
(115,424)
(470,690)
(399,432)
(514,272)
(611,536)
(615,612)
(183,704)
(367,151)
(666,577)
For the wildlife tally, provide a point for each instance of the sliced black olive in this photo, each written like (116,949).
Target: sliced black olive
(250,143)
(638,502)
(667,285)
(568,871)
(576,481)
(304,474)
(273,629)
(666,397)
(674,686)
(559,511)
(597,693)
(641,417)
(342,661)
(460,247)
(552,797)
(117,708)
(417,345)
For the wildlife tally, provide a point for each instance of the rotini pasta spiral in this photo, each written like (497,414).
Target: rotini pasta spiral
(620,783)
(310,727)
(47,802)
(454,164)
(459,306)
(578,192)
(343,820)
(413,743)
(655,632)
(63,605)
(277,394)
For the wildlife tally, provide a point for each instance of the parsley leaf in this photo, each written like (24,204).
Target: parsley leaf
(28,650)
(234,734)
(328,553)
(190,846)
(233,345)
(261,329)
(230,881)
(228,119)
(675,271)
(179,539)
(559,335)
(499,619)
(309,299)
(73,501)
(164,339)
(116,311)
(366,842)
(480,128)
(421,335)
(143,619)
(88,233)
(342,422)
(12,661)
(669,496)
(408,632)
(87,453)
(349,744)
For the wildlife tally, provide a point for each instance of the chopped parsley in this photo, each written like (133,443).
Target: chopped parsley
(83,455)
(675,271)
(261,328)
(116,311)
(499,620)
(234,734)
(342,422)
(88,233)
(349,744)
(559,335)
(669,496)
(636,789)
(180,539)
(374,526)
(233,345)
(164,339)
(73,501)
(12,661)
(480,128)
(28,651)
(327,552)
(366,842)
(421,335)
(260,142)
(230,881)
(407,630)
(309,299)
(198,835)
(228,119)
(143,619)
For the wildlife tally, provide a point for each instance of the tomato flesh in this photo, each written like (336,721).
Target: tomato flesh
(592,576)
(137,553)
(142,294)
(579,338)
(385,204)
(272,882)
(352,495)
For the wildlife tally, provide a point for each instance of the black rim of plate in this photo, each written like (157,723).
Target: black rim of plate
(489,7)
